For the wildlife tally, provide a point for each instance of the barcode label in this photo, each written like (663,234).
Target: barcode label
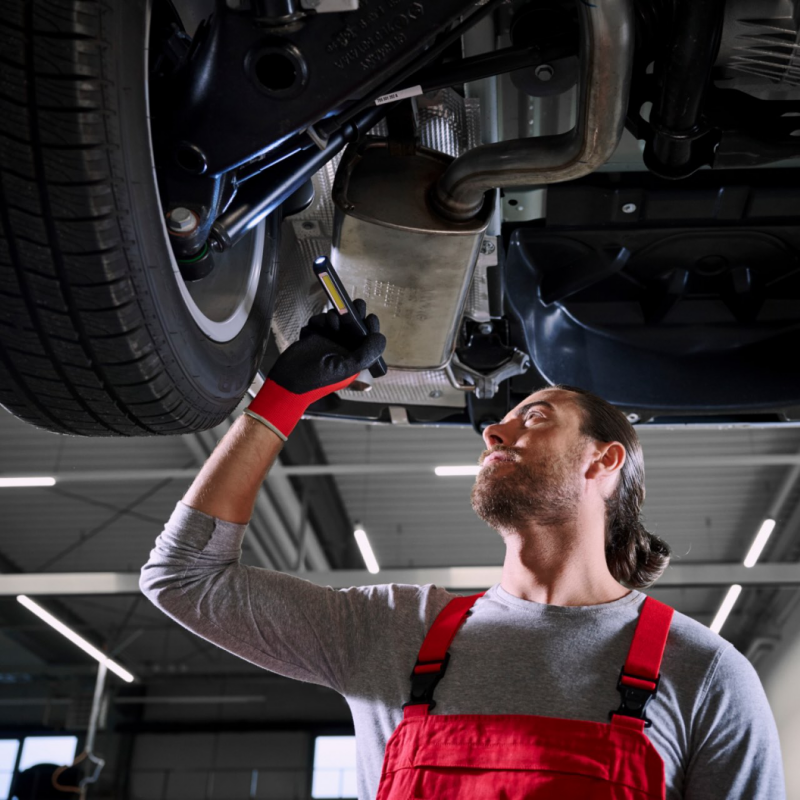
(412,91)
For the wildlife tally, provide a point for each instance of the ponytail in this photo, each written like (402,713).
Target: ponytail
(635,557)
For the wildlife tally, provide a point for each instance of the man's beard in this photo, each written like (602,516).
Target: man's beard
(546,491)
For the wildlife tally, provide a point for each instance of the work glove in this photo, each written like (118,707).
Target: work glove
(325,359)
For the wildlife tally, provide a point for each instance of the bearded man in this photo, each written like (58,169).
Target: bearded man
(561,681)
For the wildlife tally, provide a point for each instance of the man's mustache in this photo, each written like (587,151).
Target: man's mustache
(509,452)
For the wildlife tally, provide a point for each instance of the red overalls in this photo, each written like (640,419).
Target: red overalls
(517,756)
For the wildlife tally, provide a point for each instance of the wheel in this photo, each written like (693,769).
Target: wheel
(99,333)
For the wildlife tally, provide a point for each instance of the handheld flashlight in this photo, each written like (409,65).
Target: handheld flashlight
(352,324)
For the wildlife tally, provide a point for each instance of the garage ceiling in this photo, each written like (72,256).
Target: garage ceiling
(707,492)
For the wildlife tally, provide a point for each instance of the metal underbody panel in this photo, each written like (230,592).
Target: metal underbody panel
(674,299)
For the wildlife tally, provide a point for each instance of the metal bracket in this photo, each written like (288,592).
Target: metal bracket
(486,385)
(319,139)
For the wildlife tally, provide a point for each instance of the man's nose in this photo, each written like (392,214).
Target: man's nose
(495,434)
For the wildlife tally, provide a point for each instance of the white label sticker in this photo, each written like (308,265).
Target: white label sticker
(412,91)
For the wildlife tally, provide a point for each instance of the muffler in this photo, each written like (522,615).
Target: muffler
(412,267)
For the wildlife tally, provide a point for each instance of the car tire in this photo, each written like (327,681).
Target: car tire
(99,334)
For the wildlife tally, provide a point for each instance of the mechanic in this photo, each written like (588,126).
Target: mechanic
(523,701)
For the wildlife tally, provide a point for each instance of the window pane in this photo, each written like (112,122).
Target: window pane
(47,750)
(335,751)
(5,784)
(349,785)
(8,754)
(334,767)
(8,757)
(325,783)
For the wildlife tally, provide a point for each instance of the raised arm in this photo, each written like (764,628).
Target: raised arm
(194,574)
(228,483)
(312,367)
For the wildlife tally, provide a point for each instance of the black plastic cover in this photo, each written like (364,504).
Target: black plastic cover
(685,318)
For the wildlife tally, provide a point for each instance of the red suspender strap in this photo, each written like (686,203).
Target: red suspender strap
(443,630)
(639,678)
(647,648)
(433,656)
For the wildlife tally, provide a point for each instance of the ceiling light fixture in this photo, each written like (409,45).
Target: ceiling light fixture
(444,472)
(725,608)
(13,483)
(767,526)
(366,550)
(75,638)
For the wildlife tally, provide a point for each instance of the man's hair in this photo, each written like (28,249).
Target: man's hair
(635,557)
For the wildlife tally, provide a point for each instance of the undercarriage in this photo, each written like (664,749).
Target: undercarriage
(526,193)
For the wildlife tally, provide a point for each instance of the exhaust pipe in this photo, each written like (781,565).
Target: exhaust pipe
(606,59)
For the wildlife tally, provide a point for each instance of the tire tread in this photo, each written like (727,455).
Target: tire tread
(75,346)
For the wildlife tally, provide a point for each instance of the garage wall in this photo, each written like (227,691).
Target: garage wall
(223,766)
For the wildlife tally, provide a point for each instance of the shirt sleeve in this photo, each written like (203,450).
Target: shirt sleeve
(735,752)
(280,622)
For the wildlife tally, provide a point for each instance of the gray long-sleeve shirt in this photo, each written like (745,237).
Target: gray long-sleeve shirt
(712,724)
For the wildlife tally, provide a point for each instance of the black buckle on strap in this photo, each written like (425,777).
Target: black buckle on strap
(423,683)
(635,698)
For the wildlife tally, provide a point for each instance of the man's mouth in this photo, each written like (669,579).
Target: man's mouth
(492,457)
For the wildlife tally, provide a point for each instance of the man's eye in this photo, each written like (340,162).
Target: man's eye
(534,415)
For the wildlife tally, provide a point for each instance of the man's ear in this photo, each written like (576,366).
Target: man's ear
(608,460)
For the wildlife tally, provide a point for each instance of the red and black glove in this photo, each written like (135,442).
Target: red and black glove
(319,363)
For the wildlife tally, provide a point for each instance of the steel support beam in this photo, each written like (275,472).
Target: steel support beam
(42,642)
(655,465)
(454,578)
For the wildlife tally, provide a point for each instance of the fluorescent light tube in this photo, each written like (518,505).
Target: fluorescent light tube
(725,608)
(366,550)
(451,471)
(11,483)
(767,526)
(74,637)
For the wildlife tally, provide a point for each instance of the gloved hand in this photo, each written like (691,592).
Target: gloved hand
(319,363)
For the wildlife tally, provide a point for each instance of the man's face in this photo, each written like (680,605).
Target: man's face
(532,467)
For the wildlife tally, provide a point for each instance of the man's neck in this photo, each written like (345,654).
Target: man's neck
(562,565)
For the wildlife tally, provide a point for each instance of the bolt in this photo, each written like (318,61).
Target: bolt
(544,72)
(181,220)
(308,225)
(488,247)
(435,393)
(485,328)
(632,418)
(629,208)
